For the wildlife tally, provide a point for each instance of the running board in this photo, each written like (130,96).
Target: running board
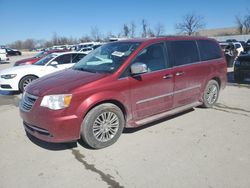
(168,113)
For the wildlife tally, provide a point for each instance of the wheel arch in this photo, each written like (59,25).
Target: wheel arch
(218,80)
(24,77)
(112,101)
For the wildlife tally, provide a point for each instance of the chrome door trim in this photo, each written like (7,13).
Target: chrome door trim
(168,94)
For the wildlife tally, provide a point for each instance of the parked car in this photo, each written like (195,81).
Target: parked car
(239,48)
(3,55)
(37,57)
(89,49)
(11,52)
(17,78)
(242,67)
(231,40)
(247,47)
(124,84)
(230,52)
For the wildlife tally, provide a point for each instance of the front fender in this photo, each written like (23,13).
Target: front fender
(101,97)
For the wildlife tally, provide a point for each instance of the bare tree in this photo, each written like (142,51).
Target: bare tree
(159,29)
(144,28)
(126,30)
(190,24)
(29,44)
(246,23)
(96,34)
(150,32)
(85,38)
(17,44)
(55,39)
(239,24)
(132,29)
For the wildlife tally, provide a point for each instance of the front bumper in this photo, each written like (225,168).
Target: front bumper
(49,125)
(8,85)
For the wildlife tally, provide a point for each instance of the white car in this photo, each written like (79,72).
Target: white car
(239,48)
(3,55)
(17,78)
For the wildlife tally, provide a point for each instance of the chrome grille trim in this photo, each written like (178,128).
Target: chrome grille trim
(27,102)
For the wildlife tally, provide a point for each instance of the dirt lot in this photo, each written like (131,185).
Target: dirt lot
(199,148)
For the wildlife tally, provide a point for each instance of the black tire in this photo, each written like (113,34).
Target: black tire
(96,126)
(25,81)
(238,77)
(211,94)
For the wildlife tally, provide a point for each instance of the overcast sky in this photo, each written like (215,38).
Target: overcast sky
(22,19)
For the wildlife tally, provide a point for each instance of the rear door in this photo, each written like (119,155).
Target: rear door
(188,72)
(152,92)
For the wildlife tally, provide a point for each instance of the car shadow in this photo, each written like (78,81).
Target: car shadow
(51,146)
(132,130)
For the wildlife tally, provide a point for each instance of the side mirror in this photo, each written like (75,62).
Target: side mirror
(54,63)
(138,68)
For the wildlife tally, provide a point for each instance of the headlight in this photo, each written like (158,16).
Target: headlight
(56,102)
(8,76)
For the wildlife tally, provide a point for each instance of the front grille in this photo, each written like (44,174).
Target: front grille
(27,102)
(36,129)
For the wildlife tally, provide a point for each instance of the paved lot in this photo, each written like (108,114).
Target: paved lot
(199,148)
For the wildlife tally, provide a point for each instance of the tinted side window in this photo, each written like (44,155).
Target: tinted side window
(63,59)
(184,52)
(209,50)
(77,57)
(153,56)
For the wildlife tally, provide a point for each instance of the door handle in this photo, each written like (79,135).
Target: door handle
(168,76)
(179,73)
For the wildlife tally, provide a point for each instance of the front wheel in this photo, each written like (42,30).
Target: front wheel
(102,126)
(25,82)
(211,94)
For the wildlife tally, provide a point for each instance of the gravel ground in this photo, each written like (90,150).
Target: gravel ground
(198,148)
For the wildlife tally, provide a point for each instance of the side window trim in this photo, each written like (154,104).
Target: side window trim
(172,53)
(125,73)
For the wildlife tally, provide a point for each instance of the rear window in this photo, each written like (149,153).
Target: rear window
(185,52)
(209,50)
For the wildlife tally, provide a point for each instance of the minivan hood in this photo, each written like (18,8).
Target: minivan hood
(62,82)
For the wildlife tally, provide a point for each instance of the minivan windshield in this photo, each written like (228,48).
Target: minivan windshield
(107,58)
(45,60)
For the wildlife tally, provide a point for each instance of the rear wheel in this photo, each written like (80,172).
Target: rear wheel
(211,94)
(25,82)
(102,126)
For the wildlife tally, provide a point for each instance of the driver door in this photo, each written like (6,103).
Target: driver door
(152,92)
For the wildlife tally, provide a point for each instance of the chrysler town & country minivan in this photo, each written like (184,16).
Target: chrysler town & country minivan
(124,84)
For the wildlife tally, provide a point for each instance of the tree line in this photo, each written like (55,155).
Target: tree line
(189,25)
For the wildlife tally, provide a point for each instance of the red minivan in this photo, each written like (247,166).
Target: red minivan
(124,84)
